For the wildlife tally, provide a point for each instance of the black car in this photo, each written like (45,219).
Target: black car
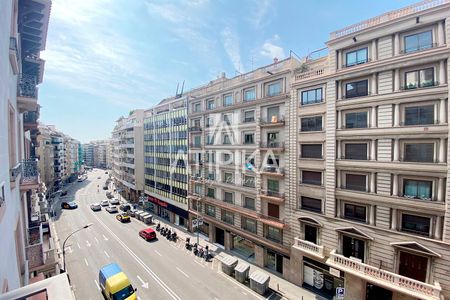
(125,207)
(69,205)
(63,193)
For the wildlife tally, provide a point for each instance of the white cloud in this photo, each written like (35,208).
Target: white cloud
(260,16)
(231,44)
(272,51)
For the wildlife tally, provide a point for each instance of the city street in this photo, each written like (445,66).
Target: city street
(160,269)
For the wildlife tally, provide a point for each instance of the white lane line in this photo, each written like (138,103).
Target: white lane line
(95,239)
(98,286)
(79,247)
(86,262)
(241,286)
(169,291)
(87,243)
(199,263)
(244,293)
(181,271)
(105,238)
(106,254)
(156,251)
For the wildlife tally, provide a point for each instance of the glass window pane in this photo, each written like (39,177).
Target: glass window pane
(362,55)
(423,152)
(351,58)
(426,77)
(356,151)
(311,177)
(412,80)
(411,43)
(425,40)
(311,204)
(311,151)
(355,182)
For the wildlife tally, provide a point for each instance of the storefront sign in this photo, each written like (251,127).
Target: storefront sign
(157,201)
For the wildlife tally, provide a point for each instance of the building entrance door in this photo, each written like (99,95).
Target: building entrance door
(220,236)
(374,292)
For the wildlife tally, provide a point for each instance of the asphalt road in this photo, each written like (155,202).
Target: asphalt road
(160,269)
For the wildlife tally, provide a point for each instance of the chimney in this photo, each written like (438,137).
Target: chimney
(275,60)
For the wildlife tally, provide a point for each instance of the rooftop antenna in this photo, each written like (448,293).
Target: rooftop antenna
(182,89)
(176,93)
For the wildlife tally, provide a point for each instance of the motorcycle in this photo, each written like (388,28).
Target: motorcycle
(174,236)
(188,245)
(195,249)
(158,227)
(168,234)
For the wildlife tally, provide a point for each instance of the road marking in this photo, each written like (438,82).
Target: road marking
(158,253)
(144,284)
(199,263)
(87,243)
(79,247)
(95,239)
(98,286)
(69,249)
(182,272)
(105,238)
(241,286)
(106,254)
(171,293)
(86,262)
(270,296)
(244,293)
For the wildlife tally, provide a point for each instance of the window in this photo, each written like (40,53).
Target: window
(355,212)
(356,151)
(311,177)
(228,177)
(356,182)
(416,224)
(312,124)
(273,234)
(249,160)
(356,119)
(249,181)
(198,189)
(249,116)
(273,185)
(272,138)
(356,57)
(273,114)
(420,152)
(197,107)
(419,78)
(419,115)
(311,151)
(210,210)
(228,197)
(226,139)
(197,141)
(227,217)
(353,247)
(249,94)
(228,100)
(249,224)
(356,89)
(249,138)
(249,203)
(227,119)
(273,89)
(196,123)
(211,193)
(210,139)
(211,176)
(311,204)
(210,104)
(310,233)
(418,42)
(227,158)
(273,210)
(417,189)
(312,96)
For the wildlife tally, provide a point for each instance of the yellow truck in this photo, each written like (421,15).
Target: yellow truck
(115,284)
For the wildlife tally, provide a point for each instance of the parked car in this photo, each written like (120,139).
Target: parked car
(104,203)
(132,212)
(69,205)
(96,206)
(64,193)
(106,172)
(105,187)
(125,207)
(114,201)
(124,218)
(112,209)
(148,234)
(99,177)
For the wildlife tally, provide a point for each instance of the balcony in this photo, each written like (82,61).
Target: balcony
(194,195)
(272,196)
(14,55)
(309,248)
(195,146)
(386,279)
(273,171)
(27,93)
(14,172)
(197,178)
(30,175)
(272,221)
(272,146)
(273,121)
(40,251)
(30,120)
(195,128)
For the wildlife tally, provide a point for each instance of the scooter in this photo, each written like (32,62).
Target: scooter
(168,234)
(188,245)
(195,249)
(158,227)
(174,236)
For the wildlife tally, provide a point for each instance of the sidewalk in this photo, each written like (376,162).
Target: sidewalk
(282,289)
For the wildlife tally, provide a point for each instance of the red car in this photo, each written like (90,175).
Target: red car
(147,234)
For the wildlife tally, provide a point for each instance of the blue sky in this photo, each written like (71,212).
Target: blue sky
(107,57)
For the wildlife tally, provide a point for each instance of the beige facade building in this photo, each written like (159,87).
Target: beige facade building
(45,153)
(128,155)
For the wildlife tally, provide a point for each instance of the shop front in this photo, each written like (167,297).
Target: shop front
(321,279)
(243,247)
(167,211)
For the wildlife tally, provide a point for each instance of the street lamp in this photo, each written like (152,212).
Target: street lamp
(64,244)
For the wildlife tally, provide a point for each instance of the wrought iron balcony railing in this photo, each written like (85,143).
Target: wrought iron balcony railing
(30,117)
(30,172)
(27,86)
